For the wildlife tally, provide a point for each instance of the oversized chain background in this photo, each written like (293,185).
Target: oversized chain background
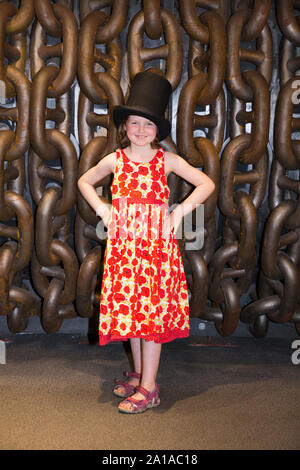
(233,66)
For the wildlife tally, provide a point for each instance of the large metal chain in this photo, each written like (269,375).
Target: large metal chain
(16,227)
(207,60)
(278,298)
(57,90)
(99,73)
(54,263)
(233,266)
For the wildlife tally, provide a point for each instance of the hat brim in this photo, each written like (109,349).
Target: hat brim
(121,112)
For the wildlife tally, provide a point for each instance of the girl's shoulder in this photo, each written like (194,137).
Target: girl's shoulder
(171,160)
(109,161)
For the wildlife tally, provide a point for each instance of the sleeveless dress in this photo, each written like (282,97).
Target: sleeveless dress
(144,291)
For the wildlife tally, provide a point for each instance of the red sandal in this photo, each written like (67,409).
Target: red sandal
(128,389)
(139,406)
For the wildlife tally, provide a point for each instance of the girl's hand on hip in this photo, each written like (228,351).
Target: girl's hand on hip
(171,223)
(105,212)
(107,217)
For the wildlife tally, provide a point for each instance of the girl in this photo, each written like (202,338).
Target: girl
(144,296)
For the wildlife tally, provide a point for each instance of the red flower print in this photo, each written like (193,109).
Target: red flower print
(143,170)
(138,252)
(144,186)
(166,317)
(145,254)
(152,194)
(123,326)
(136,194)
(124,309)
(127,168)
(144,243)
(155,299)
(124,192)
(155,186)
(155,175)
(127,272)
(104,325)
(141,279)
(133,184)
(145,291)
(119,297)
(140,317)
(133,299)
(103,309)
(161,293)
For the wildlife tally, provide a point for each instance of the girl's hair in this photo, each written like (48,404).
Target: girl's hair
(123,141)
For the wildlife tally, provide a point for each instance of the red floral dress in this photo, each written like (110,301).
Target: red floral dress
(144,291)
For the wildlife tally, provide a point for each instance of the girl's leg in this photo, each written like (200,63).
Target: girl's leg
(135,344)
(151,352)
(136,349)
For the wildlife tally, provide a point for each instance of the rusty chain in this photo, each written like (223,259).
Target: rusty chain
(65,64)
(204,88)
(233,265)
(278,298)
(54,263)
(16,228)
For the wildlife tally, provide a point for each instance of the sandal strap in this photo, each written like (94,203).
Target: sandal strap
(142,390)
(124,384)
(128,374)
(135,375)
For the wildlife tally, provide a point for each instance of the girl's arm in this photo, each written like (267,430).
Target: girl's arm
(204,188)
(87,181)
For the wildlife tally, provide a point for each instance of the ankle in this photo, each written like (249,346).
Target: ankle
(148,386)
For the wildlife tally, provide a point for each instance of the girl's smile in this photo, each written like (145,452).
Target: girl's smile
(140,131)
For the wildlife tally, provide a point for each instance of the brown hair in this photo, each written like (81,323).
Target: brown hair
(123,141)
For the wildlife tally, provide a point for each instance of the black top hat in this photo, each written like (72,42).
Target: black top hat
(148,97)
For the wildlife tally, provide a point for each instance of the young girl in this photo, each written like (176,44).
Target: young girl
(144,296)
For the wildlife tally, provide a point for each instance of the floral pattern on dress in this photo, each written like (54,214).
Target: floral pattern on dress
(144,291)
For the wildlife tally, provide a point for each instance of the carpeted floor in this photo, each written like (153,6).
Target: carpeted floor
(239,393)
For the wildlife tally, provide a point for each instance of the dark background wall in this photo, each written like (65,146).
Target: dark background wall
(234,111)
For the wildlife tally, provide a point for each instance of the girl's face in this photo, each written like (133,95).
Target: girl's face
(140,131)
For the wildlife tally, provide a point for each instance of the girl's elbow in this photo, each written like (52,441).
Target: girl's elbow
(212,186)
(79,182)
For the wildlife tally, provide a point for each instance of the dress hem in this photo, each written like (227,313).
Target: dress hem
(158,338)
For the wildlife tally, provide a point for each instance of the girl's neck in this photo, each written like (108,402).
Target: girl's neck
(140,153)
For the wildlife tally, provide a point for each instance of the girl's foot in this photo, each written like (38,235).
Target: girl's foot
(126,388)
(141,400)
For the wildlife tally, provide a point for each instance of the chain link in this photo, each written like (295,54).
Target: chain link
(57,92)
